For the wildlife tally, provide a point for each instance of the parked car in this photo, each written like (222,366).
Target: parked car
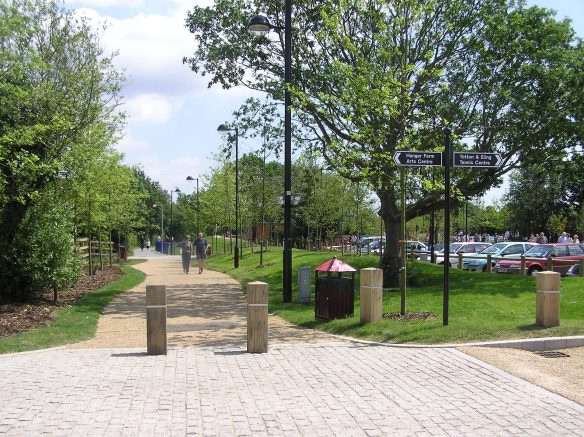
(418,246)
(574,270)
(372,247)
(456,248)
(477,262)
(363,241)
(536,258)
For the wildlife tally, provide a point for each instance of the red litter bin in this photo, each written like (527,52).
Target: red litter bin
(334,293)
(123,253)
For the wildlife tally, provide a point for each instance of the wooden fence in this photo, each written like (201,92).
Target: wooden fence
(101,252)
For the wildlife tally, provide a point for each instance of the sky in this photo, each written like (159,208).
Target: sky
(171,130)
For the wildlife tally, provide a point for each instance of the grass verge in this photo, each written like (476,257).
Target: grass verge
(482,307)
(77,322)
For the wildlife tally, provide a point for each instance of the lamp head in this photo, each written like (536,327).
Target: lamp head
(259,23)
(190,178)
(223,128)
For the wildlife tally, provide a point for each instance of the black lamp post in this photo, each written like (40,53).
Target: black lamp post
(171,231)
(225,128)
(161,227)
(190,178)
(260,23)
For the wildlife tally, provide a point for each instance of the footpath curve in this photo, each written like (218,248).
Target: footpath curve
(203,310)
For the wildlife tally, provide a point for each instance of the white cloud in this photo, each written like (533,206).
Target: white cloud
(131,144)
(150,49)
(148,108)
(172,173)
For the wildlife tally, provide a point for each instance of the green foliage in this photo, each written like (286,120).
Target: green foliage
(45,257)
(556,224)
(374,77)
(58,119)
(580,222)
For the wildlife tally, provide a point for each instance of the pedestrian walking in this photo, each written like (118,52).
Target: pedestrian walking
(148,244)
(142,242)
(186,250)
(201,251)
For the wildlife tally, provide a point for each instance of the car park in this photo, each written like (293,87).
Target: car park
(536,259)
(477,262)
(460,248)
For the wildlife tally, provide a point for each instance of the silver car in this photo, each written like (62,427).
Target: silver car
(478,261)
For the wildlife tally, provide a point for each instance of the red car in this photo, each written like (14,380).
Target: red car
(537,256)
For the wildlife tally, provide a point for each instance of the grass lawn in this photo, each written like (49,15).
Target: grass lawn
(482,306)
(75,323)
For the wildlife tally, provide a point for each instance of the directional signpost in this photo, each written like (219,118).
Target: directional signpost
(406,158)
(477,160)
(418,159)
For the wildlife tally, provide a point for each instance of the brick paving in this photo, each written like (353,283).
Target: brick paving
(336,389)
(318,387)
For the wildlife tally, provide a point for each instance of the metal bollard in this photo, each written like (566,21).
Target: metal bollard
(547,305)
(371,295)
(156,320)
(257,317)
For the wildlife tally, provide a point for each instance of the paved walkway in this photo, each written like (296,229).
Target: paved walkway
(326,386)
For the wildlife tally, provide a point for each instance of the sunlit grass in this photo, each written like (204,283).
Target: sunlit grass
(482,306)
(77,322)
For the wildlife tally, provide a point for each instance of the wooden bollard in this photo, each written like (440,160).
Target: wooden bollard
(156,319)
(547,305)
(371,295)
(257,317)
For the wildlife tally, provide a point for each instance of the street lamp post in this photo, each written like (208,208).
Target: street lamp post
(161,227)
(260,23)
(190,178)
(225,128)
(171,243)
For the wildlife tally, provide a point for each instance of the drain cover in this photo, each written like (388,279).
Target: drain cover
(551,354)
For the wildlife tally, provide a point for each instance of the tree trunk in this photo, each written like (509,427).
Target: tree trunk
(390,262)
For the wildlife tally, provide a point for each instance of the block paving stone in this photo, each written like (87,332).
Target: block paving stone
(317,389)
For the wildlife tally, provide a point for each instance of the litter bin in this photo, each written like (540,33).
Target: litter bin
(334,293)
(122,254)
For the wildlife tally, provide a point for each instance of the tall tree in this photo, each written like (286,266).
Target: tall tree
(57,89)
(374,76)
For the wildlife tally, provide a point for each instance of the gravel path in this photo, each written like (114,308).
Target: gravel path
(203,310)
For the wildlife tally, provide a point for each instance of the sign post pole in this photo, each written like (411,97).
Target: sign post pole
(445,298)
(410,158)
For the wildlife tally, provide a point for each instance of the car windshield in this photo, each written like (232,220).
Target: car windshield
(539,251)
(495,248)
(454,247)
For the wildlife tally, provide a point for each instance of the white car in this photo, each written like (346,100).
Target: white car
(464,248)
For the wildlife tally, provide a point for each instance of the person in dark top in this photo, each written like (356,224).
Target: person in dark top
(201,251)
(186,249)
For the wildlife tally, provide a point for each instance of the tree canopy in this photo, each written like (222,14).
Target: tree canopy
(59,94)
(374,76)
